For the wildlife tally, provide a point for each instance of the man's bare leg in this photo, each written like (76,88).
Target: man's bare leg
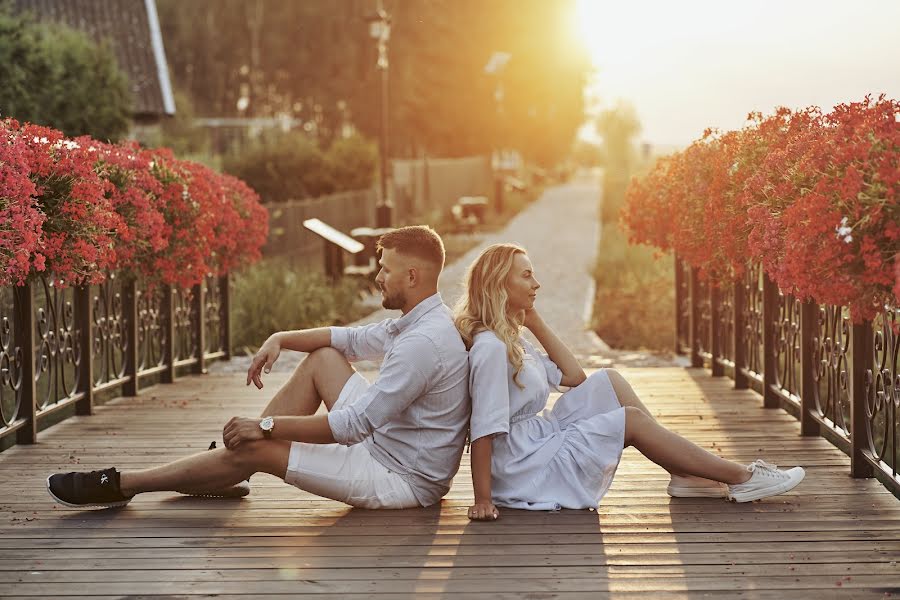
(318,378)
(214,469)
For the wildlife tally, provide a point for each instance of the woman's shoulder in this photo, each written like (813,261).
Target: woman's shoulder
(487,342)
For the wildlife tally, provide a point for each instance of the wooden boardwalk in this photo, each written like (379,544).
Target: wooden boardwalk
(831,537)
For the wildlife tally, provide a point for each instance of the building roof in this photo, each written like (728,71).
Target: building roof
(132,29)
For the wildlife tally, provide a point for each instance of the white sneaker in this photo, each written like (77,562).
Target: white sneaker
(696,487)
(766,480)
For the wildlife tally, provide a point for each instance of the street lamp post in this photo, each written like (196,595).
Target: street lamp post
(495,67)
(380,29)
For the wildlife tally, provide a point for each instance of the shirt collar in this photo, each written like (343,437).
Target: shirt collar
(418,311)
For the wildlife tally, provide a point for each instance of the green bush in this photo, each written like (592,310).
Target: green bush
(287,166)
(274,296)
(55,76)
(634,306)
(351,162)
(281,167)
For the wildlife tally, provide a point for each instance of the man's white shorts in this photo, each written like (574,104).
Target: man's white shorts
(347,473)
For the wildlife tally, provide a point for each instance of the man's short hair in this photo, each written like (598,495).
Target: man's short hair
(420,241)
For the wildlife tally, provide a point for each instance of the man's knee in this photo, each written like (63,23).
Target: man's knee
(322,358)
(270,456)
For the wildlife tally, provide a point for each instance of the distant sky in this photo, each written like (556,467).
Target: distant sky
(690,64)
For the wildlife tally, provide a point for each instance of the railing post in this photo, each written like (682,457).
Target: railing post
(861,359)
(718,370)
(225,313)
(770,309)
(740,356)
(84,320)
(679,278)
(199,301)
(696,359)
(23,308)
(168,310)
(130,316)
(809,327)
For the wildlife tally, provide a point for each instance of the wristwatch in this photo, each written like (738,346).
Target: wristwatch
(267,425)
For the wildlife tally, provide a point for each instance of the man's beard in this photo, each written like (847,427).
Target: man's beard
(393,301)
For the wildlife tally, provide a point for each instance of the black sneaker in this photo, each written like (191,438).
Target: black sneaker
(78,490)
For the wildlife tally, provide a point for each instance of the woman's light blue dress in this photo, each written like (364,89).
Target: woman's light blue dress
(543,459)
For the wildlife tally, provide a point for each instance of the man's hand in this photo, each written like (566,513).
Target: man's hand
(484,511)
(263,360)
(239,430)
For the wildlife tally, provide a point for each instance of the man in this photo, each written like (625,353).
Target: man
(393,444)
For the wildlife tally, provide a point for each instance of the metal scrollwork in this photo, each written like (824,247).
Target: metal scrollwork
(704,326)
(684,306)
(725,318)
(184,317)
(57,353)
(830,371)
(753,320)
(110,340)
(883,390)
(787,347)
(10,362)
(151,338)
(212,308)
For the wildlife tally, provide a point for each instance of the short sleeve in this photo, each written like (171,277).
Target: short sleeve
(489,387)
(554,374)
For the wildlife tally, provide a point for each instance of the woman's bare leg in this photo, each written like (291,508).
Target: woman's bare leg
(677,454)
(627,397)
(625,393)
(214,469)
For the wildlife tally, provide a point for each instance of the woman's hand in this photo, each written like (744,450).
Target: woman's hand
(240,429)
(484,511)
(531,318)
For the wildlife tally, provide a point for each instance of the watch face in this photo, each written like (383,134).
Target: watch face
(267,424)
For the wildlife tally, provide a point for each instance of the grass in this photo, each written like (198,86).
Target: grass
(634,305)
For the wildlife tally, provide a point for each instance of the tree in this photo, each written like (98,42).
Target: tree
(314,61)
(618,126)
(55,76)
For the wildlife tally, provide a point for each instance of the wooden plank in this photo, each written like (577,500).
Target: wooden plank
(281,541)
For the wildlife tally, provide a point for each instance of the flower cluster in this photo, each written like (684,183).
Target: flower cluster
(813,197)
(78,208)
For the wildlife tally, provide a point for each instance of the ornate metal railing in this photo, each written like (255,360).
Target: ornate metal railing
(841,380)
(61,347)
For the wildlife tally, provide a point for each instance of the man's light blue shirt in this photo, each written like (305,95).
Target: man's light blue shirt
(413,418)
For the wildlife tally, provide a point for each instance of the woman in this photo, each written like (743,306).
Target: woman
(565,457)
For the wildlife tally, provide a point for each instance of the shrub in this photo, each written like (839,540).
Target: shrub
(55,76)
(79,208)
(811,197)
(634,306)
(275,296)
(351,162)
(281,167)
(289,166)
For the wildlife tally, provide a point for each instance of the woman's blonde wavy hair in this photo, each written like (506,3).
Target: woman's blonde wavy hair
(483,304)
